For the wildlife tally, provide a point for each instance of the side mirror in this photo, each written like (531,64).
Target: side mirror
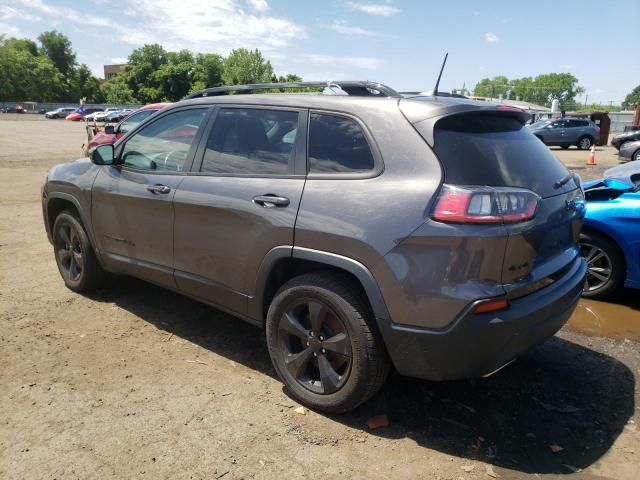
(110,129)
(102,155)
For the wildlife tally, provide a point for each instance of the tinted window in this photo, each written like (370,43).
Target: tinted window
(164,144)
(133,120)
(337,145)
(496,151)
(247,141)
(558,124)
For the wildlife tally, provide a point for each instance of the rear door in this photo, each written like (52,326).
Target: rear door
(240,201)
(132,202)
(497,151)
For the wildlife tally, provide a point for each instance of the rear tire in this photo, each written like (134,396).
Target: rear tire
(76,260)
(636,156)
(605,265)
(324,343)
(584,143)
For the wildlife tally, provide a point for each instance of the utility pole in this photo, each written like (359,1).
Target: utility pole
(586,97)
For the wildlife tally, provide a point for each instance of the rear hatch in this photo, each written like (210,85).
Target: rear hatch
(497,172)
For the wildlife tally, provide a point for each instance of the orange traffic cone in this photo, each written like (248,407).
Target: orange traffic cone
(592,156)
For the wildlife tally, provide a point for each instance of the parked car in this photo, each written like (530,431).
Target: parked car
(454,250)
(610,239)
(629,151)
(110,133)
(565,132)
(92,117)
(619,140)
(100,117)
(59,112)
(79,113)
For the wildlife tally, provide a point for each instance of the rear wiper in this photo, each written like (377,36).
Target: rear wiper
(563,181)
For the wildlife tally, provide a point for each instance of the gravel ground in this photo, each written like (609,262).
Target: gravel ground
(134,381)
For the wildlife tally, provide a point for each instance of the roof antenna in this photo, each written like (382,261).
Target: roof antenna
(435,90)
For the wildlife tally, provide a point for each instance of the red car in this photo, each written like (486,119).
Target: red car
(111,133)
(79,114)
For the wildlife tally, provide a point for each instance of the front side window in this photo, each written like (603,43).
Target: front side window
(245,141)
(164,144)
(133,120)
(337,145)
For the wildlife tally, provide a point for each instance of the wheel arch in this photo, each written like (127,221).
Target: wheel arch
(58,202)
(283,263)
(591,229)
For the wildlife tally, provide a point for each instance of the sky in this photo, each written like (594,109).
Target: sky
(397,42)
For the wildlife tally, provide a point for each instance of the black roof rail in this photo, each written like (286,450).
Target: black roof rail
(351,87)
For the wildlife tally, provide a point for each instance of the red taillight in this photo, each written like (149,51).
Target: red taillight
(491,305)
(484,205)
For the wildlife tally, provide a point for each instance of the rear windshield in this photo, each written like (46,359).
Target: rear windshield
(497,151)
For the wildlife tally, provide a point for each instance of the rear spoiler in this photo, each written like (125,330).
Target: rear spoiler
(427,111)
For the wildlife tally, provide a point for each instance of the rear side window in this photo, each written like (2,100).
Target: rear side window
(496,151)
(337,145)
(245,141)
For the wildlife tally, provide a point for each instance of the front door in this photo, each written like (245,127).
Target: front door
(240,202)
(132,201)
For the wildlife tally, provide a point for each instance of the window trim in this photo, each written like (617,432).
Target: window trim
(188,163)
(296,170)
(378,164)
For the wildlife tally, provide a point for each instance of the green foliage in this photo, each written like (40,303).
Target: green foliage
(48,71)
(58,48)
(631,100)
(542,89)
(245,66)
(116,91)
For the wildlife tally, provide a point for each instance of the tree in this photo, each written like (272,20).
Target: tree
(58,48)
(208,70)
(26,76)
(140,74)
(492,87)
(542,89)
(245,66)
(116,91)
(561,86)
(82,84)
(631,100)
(174,78)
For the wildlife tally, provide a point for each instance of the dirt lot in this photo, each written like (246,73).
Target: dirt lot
(135,381)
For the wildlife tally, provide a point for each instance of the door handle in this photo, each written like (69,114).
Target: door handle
(156,189)
(270,200)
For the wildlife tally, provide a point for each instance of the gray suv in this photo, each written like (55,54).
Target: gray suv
(565,132)
(361,230)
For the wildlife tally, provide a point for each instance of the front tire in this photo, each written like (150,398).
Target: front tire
(324,343)
(605,265)
(76,260)
(584,143)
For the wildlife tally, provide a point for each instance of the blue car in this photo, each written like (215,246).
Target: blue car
(610,238)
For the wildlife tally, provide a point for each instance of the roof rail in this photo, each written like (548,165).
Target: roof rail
(351,87)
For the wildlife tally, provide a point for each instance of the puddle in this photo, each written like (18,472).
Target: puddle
(617,319)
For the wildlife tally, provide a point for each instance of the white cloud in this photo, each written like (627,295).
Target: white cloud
(11,30)
(377,9)
(259,5)
(343,27)
(358,62)
(9,13)
(68,14)
(490,37)
(215,26)
(118,60)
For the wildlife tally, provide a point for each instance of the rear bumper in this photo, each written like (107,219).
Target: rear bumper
(476,345)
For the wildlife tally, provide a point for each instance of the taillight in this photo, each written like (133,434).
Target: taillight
(484,205)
